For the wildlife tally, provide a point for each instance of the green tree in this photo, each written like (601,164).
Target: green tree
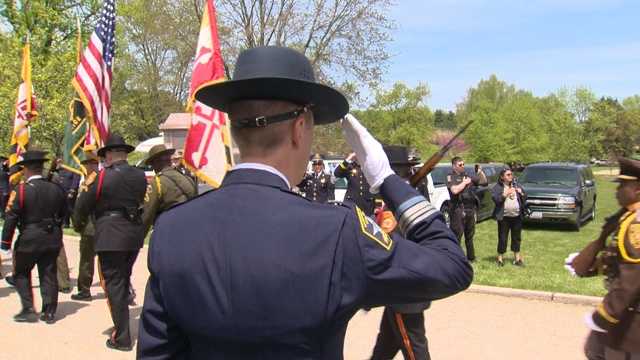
(400,116)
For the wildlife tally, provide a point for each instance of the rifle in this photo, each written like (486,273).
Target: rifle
(435,158)
(52,169)
(584,261)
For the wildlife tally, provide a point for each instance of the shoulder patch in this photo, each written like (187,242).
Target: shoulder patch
(373,231)
(629,232)
(634,235)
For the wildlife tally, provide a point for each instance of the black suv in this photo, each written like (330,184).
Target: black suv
(559,192)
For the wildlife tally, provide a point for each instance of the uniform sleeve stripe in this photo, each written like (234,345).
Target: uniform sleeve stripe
(414,215)
(407,204)
(419,219)
(605,314)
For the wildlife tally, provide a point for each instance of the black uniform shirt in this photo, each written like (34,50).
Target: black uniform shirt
(36,207)
(118,191)
(468,195)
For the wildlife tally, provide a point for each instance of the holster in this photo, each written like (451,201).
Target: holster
(133,214)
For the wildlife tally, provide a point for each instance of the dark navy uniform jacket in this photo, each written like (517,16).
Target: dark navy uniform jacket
(255,271)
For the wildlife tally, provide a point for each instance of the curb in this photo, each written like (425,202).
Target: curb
(537,295)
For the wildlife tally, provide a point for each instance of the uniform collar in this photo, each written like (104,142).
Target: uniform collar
(34,177)
(634,207)
(257,176)
(263,167)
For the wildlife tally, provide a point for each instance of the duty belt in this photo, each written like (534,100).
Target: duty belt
(121,213)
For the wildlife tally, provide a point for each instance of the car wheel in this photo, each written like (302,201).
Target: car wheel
(578,222)
(444,209)
(593,212)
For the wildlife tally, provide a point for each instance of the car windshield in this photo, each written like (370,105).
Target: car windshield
(550,176)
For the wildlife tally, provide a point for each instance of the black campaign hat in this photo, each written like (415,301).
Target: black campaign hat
(276,73)
(629,169)
(399,155)
(115,141)
(32,156)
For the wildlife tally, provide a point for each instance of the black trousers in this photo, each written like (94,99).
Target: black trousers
(47,271)
(595,349)
(506,225)
(87,264)
(403,332)
(463,222)
(115,272)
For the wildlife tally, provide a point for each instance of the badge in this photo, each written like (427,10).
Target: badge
(373,231)
(354,172)
(634,235)
(147,194)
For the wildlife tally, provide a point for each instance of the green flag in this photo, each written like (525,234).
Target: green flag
(74,136)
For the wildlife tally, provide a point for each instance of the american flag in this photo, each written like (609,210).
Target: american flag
(93,74)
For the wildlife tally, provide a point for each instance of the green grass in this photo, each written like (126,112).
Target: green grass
(544,247)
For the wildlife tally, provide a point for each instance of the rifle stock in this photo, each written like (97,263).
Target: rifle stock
(435,158)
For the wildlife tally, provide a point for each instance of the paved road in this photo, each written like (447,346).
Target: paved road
(467,326)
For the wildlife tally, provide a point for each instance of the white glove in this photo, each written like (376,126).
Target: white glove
(588,320)
(568,263)
(5,252)
(373,160)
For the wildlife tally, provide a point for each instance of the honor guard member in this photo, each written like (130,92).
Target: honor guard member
(252,245)
(168,188)
(317,186)
(615,323)
(87,233)
(36,207)
(464,202)
(116,198)
(402,325)
(357,185)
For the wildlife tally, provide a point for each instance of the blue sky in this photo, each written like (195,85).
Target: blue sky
(537,45)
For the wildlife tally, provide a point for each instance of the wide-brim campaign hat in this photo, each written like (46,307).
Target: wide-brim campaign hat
(275,73)
(32,156)
(115,141)
(158,150)
(629,170)
(399,155)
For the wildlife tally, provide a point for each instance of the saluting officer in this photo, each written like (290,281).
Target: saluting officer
(168,188)
(87,233)
(615,323)
(36,207)
(402,325)
(357,185)
(464,203)
(116,198)
(253,244)
(317,186)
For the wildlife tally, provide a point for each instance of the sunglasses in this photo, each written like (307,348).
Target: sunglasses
(460,165)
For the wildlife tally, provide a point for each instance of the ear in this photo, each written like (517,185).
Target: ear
(297,131)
